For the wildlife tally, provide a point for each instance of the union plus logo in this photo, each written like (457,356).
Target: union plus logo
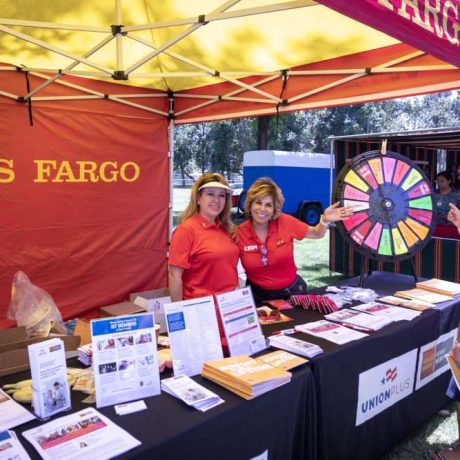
(390,375)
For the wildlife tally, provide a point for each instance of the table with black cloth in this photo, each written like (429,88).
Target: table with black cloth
(279,421)
(336,374)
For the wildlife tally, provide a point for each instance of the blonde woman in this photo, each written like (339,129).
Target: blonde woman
(203,256)
(266,240)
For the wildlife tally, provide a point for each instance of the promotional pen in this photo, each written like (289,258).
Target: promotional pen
(285,332)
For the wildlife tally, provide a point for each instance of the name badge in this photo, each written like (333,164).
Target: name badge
(252,248)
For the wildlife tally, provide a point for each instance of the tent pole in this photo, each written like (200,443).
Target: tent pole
(331,171)
(171,170)
(118,37)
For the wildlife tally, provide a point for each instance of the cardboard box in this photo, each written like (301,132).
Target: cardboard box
(83,330)
(120,309)
(13,348)
(153,301)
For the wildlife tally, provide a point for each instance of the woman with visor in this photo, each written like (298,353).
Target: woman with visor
(203,256)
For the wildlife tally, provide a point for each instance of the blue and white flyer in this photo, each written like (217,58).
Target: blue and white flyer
(124,358)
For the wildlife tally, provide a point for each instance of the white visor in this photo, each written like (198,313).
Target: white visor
(215,184)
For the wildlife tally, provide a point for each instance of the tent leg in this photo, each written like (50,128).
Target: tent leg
(171,170)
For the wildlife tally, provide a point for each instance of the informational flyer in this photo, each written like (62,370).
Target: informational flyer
(357,320)
(85,434)
(12,413)
(390,312)
(124,358)
(193,334)
(50,387)
(11,448)
(192,393)
(330,331)
(240,322)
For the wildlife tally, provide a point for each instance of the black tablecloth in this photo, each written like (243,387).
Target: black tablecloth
(281,421)
(336,374)
(312,417)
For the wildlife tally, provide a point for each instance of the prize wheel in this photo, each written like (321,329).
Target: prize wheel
(392,203)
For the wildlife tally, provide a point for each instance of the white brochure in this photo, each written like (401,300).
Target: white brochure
(11,448)
(240,322)
(50,387)
(390,312)
(193,334)
(84,434)
(330,331)
(191,393)
(124,358)
(357,320)
(11,413)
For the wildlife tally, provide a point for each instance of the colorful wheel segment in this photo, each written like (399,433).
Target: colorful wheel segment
(392,205)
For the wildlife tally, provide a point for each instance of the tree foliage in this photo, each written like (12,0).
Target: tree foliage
(219,146)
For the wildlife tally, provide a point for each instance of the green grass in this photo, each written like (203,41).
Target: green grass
(312,260)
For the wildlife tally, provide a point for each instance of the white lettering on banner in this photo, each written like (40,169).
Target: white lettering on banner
(432,358)
(384,385)
(438,17)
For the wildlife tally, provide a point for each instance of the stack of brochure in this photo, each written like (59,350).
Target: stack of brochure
(418,305)
(300,347)
(440,286)
(10,447)
(333,332)
(359,321)
(389,312)
(282,359)
(192,393)
(245,376)
(423,295)
(85,354)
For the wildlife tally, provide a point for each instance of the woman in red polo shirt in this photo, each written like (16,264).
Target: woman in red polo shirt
(266,239)
(203,256)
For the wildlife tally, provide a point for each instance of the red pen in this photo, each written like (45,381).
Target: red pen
(285,332)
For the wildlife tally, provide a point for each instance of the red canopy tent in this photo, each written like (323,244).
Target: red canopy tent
(86,190)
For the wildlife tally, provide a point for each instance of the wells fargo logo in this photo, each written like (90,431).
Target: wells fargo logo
(79,171)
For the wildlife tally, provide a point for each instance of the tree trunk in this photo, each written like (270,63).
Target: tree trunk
(262,132)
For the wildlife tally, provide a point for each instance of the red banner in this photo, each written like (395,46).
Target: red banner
(84,203)
(428,25)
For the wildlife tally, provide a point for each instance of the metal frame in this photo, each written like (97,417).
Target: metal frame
(225,12)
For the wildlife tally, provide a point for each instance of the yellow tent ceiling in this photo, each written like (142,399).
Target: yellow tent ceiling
(177,45)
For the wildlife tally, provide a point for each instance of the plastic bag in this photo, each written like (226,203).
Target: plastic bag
(33,308)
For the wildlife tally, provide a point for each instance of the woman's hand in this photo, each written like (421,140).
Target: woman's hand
(333,213)
(454,215)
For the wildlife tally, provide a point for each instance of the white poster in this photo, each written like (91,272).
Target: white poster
(240,322)
(124,359)
(432,358)
(193,334)
(385,385)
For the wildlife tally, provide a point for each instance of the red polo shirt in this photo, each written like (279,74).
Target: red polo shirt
(208,256)
(280,271)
